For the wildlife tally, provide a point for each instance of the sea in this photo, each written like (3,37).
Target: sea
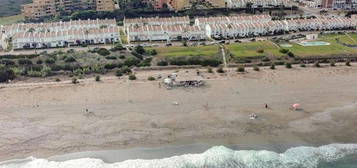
(201,156)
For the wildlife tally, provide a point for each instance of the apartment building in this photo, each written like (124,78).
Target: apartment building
(203,21)
(256,3)
(43,8)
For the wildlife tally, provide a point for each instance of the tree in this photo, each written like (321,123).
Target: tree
(240,69)
(97,78)
(272,66)
(288,65)
(103,52)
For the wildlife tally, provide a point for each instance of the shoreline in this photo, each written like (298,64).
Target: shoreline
(48,120)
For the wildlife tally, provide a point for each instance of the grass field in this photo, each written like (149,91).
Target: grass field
(333,49)
(348,39)
(11,19)
(187,51)
(250,49)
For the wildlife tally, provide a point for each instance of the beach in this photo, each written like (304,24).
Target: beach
(48,120)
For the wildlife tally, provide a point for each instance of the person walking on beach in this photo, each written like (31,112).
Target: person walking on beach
(266,106)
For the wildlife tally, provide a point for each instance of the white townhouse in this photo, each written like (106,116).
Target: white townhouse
(57,26)
(203,21)
(65,38)
(165,32)
(3,41)
(184,20)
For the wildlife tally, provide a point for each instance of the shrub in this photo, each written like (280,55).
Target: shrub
(151,78)
(211,62)
(260,51)
(139,49)
(39,62)
(74,80)
(125,69)
(24,61)
(317,64)
(132,61)
(6,74)
(288,65)
(332,63)
(210,70)
(70,59)
(266,59)
(162,63)
(118,73)
(117,47)
(103,52)
(57,80)
(284,51)
(97,78)
(348,63)
(137,55)
(122,56)
(110,65)
(290,54)
(7,62)
(50,61)
(256,68)
(111,57)
(302,65)
(132,77)
(220,70)
(153,52)
(241,69)
(272,66)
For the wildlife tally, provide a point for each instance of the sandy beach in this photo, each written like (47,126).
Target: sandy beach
(49,120)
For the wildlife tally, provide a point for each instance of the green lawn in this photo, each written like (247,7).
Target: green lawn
(11,19)
(250,49)
(187,51)
(333,49)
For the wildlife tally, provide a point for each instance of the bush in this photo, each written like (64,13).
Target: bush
(122,57)
(210,70)
(103,52)
(24,61)
(256,68)
(75,80)
(140,49)
(284,51)
(132,77)
(111,57)
(118,47)
(317,64)
(110,65)
(266,59)
(162,63)
(57,80)
(118,73)
(260,51)
(132,61)
(288,65)
(97,78)
(302,65)
(348,63)
(220,70)
(290,54)
(332,63)
(70,59)
(241,69)
(211,62)
(151,78)
(7,62)
(272,66)
(153,52)
(50,61)
(39,62)
(6,74)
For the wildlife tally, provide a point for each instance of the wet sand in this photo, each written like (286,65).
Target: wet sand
(43,121)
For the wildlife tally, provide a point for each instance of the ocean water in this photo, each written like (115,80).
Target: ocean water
(328,156)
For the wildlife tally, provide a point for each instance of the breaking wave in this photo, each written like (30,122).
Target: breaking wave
(215,157)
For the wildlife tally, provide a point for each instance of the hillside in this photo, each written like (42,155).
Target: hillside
(11,7)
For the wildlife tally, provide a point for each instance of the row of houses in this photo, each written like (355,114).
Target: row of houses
(65,38)
(165,32)
(276,27)
(57,26)
(203,21)
(184,20)
(256,3)
(59,34)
